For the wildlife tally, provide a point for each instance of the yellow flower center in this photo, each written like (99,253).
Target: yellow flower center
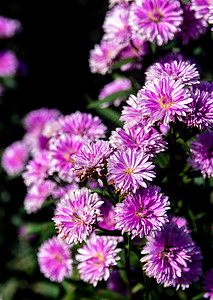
(155,16)
(165,102)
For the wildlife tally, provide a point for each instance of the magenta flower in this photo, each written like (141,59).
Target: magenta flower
(202,153)
(91,158)
(163,99)
(107,219)
(180,222)
(96,258)
(54,259)
(114,2)
(37,169)
(171,254)
(201,8)
(137,137)
(83,125)
(8,64)
(75,214)
(60,156)
(8,27)
(156,20)
(208,284)
(37,194)
(14,158)
(117,85)
(129,169)
(143,212)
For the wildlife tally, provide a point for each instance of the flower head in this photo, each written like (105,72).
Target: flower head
(202,153)
(142,213)
(14,158)
(208,284)
(54,258)
(129,169)
(8,27)
(96,257)
(156,20)
(107,220)
(75,214)
(8,64)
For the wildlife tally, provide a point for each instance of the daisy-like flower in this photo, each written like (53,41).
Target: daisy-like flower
(107,220)
(180,222)
(8,27)
(103,55)
(163,99)
(177,69)
(142,213)
(83,125)
(96,258)
(169,255)
(201,114)
(91,158)
(8,64)
(54,259)
(115,2)
(156,20)
(137,137)
(208,284)
(75,214)
(37,194)
(201,8)
(117,85)
(129,169)
(60,156)
(14,158)
(202,153)
(116,24)
(37,169)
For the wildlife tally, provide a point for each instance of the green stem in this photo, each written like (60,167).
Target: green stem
(127,264)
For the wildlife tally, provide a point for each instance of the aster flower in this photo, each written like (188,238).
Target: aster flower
(201,114)
(115,2)
(14,158)
(137,137)
(116,283)
(107,219)
(169,255)
(75,213)
(91,158)
(177,69)
(208,284)
(83,125)
(96,258)
(129,169)
(116,24)
(180,222)
(143,212)
(202,153)
(201,8)
(60,156)
(156,20)
(102,56)
(54,258)
(163,99)
(117,85)
(8,64)
(37,169)
(37,194)
(8,27)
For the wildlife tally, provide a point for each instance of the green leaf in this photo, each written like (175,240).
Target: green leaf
(110,114)
(123,62)
(47,289)
(34,228)
(185,146)
(198,297)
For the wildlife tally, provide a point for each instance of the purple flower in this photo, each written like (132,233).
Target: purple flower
(202,153)
(75,213)
(162,99)
(91,158)
(171,254)
(129,169)
(137,137)
(114,2)
(96,257)
(37,169)
(180,222)
(107,220)
(142,213)
(208,284)
(83,125)
(117,85)
(14,158)
(8,64)
(182,70)
(201,8)
(201,108)
(116,24)
(116,283)
(156,20)
(54,258)
(8,27)
(37,194)
(60,156)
